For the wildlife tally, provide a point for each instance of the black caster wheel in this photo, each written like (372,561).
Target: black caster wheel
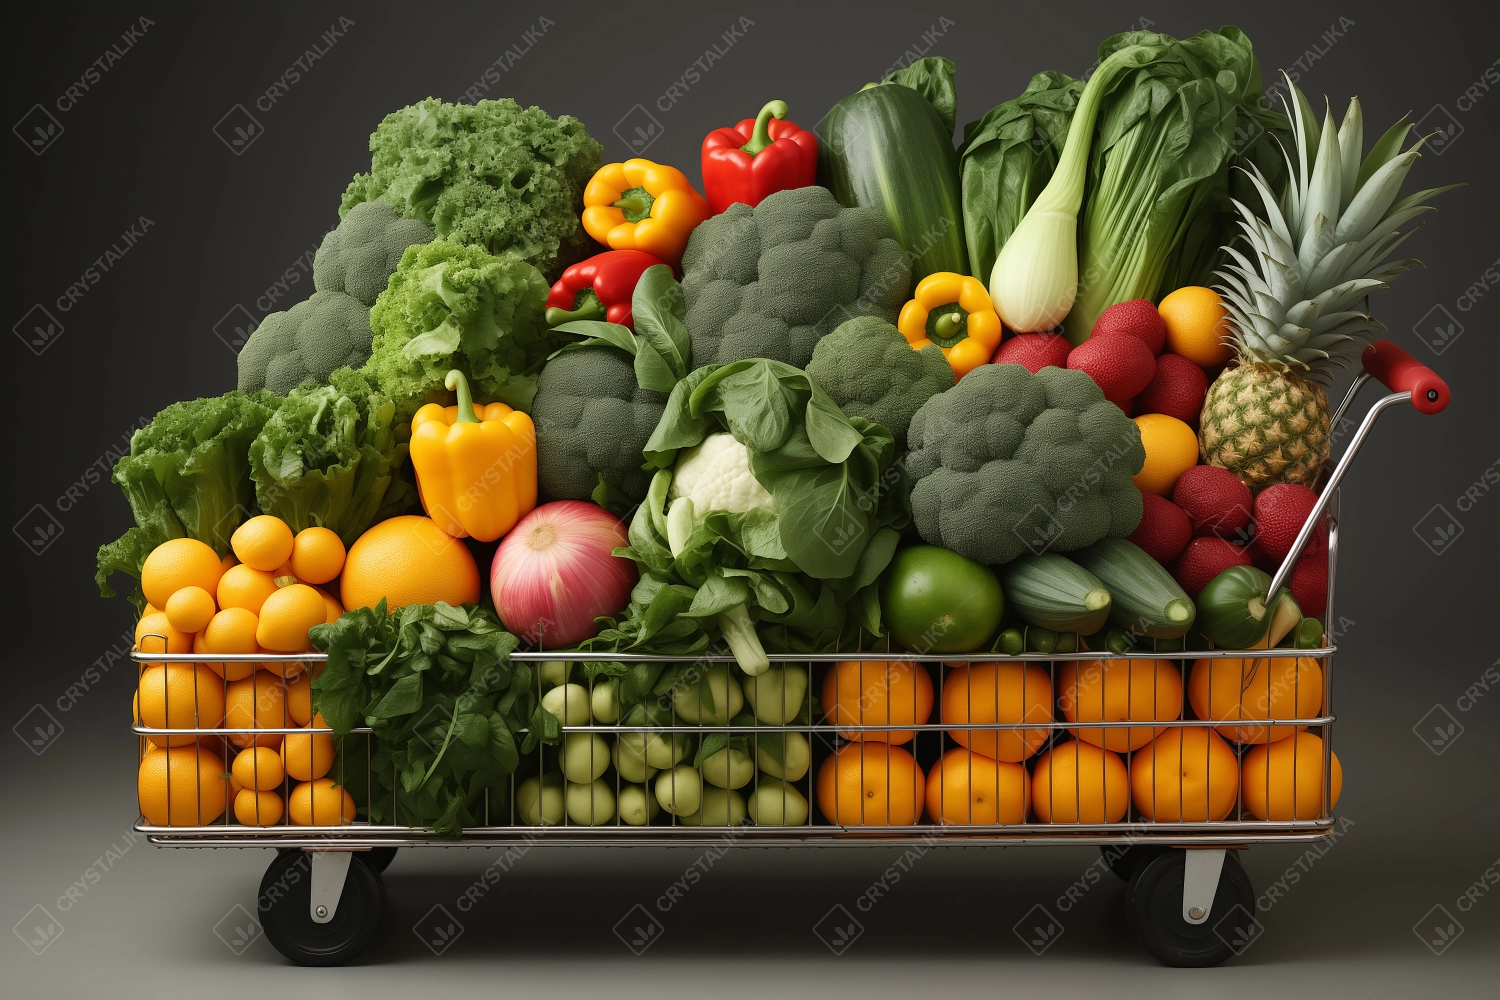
(1154,907)
(285,899)
(1125,860)
(377,859)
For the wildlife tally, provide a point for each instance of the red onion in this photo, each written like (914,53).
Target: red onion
(554,573)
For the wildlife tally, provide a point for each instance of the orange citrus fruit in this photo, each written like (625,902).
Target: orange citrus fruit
(1171,449)
(299,698)
(1265,688)
(408,560)
(1284,780)
(1076,782)
(254,808)
(244,587)
(263,542)
(1186,775)
(178,563)
(256,702)
(870,784)
(155,634)
(258,768)
(1120,691)
(878,693)
(180,696)
(230,631)
(317,555)
(998,692)
(320,802)
(182,786)
(1197,325)
(335,610)
(308,755)
(286,616)
(965,787)
(190,608)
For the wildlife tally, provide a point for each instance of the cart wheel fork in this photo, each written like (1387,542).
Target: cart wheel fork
(1199,884)
(329,870)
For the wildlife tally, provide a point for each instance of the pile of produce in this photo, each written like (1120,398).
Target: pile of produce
(1058,389)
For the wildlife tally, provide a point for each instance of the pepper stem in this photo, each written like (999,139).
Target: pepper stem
(459,384)
(947,327)
(636,203)
(761,137)
(585,306)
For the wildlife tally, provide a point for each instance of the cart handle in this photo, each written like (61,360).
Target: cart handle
(1400,372)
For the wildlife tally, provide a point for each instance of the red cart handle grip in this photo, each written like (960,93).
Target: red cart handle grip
(1400,372)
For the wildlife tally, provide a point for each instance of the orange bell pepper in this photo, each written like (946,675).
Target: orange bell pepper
(475,465)
(640,205)
(954,312)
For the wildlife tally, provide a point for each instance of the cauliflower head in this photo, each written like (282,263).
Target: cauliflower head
(715,474)
(868,368)
(306,344)
(1007,462)
(360,255)
(769,281)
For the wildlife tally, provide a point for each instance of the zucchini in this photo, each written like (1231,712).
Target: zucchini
(885,147)
(1237,612)
(1144,597)
(1054,592)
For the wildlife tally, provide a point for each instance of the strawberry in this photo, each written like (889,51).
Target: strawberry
(1177,389)
(1215,500)
(1137,318)
(1280,512)
(1203,559)
(1164,530)
(1034,351)
(1121,366)
(1310,583)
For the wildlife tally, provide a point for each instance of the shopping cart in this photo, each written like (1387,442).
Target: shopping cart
(1189,899)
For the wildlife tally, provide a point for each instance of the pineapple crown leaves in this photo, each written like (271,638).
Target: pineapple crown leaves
(1319,249)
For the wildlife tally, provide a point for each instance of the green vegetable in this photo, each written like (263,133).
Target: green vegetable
(187,475)
(776,696)
(769,281)
(488,174)
(711,698)
(451,306)
(1235,610)
(932,77)
(334,457)
(889,147)
(1040,640)
(777,803)
(1146,600)
(591,804)
(1010,641)
(786,756)
(1052,591)
(937,601)
(727,767)
(1067,642)
(540,800)
(1308,634)
(1007,461)
(868,368)
(359,256)
(637,806)
(719,807)
(679,790)
(447,705)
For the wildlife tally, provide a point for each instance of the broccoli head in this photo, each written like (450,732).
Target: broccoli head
(490,174)
(868,368)
(304,345)
(1007,462)
(360,255)
(592,420)
(769,281)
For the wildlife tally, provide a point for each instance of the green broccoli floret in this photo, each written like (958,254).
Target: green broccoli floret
(1007,462)
(305,344)
(868,368)
(769,281)
(490,174)
(454,306)
(592,420)
(361,254)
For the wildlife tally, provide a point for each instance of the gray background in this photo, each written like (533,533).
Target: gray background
(140,142)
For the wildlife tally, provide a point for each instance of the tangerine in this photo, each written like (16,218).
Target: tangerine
(179,696)
(181,786)
(968,788)
(317,555)
(1284,780)
(878,693)
(245,587)
(1077,782)
(870,784)
(1120,691)
(408,560)
(320,802)
(1264,688)
(178,563)
(1186,775)
(998,693)
(253,808)
(264,542)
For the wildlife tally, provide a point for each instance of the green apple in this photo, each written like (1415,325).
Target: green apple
(605,701)
(728,768)
(720,807)
(585,756)
(776,803)
(679,790)
(570,703)
(783,755)
(540,801)
(776,696)
(592,804)
(712,699)
(637,806)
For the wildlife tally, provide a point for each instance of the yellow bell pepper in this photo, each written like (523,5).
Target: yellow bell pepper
(475,465)
(953,311)
(640,205)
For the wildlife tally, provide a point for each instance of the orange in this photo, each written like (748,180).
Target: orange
(1265,688)
(299,698)
(1286,772)
(263,542)
(334,609)
(878,693)
(258,768)
(285,618)
(1120,691)
(308,755)
(254,808)
(230,631)
(178,563)
(1077,782)
(1186,775)
(1197,325)
(257,702)
(1171,449)
(190,609)
(320,803)
(183,786)
(966,787)
(870,784)
(997,693)
(317,555)
(180,696)
(155,634)
(244,587)
(408,560)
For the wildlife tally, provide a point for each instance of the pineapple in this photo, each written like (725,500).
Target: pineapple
(1296,302)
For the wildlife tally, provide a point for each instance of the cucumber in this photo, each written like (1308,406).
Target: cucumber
(1009,642)
(1054,592)
(1144,597)
(1040,640)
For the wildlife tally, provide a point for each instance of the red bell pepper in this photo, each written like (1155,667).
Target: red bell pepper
(759,156)
(598,288)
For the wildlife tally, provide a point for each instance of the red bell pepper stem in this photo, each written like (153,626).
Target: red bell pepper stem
(456,381)
(761,137)
(588,307)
